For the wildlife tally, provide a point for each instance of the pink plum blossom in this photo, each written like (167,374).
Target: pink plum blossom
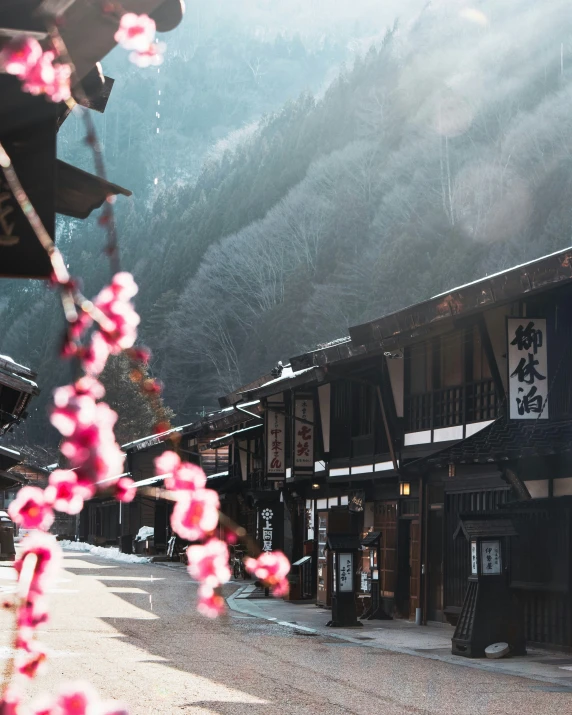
(150,57)
(94,356)
(136,32)
(33,613)
(11,703)
(49,558)
(64,493)
(19,56)
(211,604)
(24,58)
(28,662)
(31,510)
(114,301)
(44,705)
(125,490)
(195,514)
(271,567)
(76,699)
(208,563)
(87,426)
(182,475)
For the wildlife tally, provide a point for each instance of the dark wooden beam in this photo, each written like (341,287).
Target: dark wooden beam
(490,355)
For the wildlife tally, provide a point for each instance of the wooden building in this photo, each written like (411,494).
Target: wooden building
(106,521)
(473,415)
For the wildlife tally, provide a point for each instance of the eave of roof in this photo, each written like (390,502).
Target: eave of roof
(78,192)
(498,289)
(241,434)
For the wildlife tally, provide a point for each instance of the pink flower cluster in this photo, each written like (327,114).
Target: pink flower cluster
(32,610)
(208,563)
(72,699)
(89,442)
(119,330)
(137,33)
(194,518)
(25,59)
(271,568)
(195,514)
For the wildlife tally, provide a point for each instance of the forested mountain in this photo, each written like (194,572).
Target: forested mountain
(440,154)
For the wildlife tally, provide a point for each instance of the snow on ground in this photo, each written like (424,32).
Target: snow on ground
(145,532)
(106,552)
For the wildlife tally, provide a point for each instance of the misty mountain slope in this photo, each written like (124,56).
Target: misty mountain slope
(441,156)
(221,75)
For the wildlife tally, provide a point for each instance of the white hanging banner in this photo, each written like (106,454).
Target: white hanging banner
(275,440)
(527,368)
(304,433)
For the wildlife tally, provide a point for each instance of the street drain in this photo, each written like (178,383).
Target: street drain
(364,638)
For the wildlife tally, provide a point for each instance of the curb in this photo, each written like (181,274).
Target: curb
(242,606)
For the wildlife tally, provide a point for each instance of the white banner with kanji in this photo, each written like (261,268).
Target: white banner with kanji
(527,368)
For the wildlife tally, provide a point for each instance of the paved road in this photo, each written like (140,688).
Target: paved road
(132,630)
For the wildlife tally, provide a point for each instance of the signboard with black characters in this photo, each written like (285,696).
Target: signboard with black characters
(275,440)
(271,527)
(303,441)
(527,368)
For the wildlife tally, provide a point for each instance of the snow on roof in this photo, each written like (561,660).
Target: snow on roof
(496,275)
(10,452)
(217,475)
(153,439)
(150,481)
(287,373)
(234,434)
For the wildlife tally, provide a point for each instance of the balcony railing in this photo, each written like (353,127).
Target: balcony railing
(450,406)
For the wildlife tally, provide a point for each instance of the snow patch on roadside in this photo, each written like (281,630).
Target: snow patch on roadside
(111,553)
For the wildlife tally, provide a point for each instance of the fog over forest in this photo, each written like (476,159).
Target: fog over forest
(299,167)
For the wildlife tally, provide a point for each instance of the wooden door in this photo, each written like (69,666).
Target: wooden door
(323,590)
(414,564)
(385,521)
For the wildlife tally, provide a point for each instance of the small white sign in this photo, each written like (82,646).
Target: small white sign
(474,557)
(346,572)
(490,558)
(527,368)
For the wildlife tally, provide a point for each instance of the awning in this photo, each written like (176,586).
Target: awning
(372,539)
(79,193)
(340,542)
(485,527)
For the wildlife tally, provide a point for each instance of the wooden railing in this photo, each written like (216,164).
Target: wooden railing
(450,406)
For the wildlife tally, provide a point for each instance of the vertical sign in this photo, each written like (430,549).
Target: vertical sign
(304,433)
(474,558)
(267,516)
(271,527)
(527,369)
(275,438)
(346,573)
(490,558)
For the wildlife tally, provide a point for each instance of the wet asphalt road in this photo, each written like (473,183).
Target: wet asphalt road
(133,632)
